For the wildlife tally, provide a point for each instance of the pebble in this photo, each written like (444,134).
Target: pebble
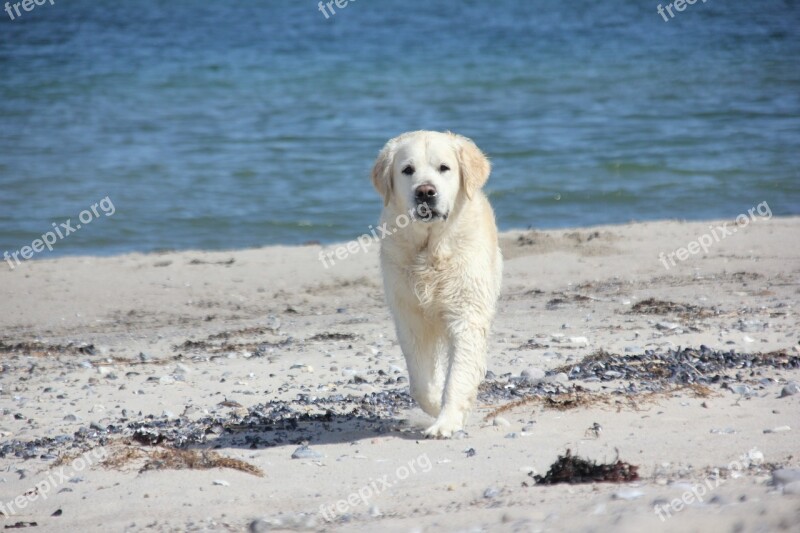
(297,522)
(533,374)
(792,488)
(667,326)
(460,434)
(490,493)
(742,389)
(304,452)
(500,421)
(166,380)
(221,483)
(579,340)
(779,429)
(71,418)
(755,457)
(790,389)
(785,476)
(627,494)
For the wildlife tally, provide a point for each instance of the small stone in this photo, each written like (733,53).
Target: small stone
(304,452)
(741,389)
(579,340)
(790,389)
(792,488)
(221,483)
(259,526)
(784,476)
(166,380)
(667,326)
(533,374)
(779,429)
(755,457)
(490,493)
(70,418)
(460,434)
(627,494)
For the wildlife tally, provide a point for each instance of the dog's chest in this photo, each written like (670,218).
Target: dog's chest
(430,276)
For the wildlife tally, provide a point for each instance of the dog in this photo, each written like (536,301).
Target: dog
(442,267)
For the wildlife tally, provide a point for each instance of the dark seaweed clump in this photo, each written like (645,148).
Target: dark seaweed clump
(571,469)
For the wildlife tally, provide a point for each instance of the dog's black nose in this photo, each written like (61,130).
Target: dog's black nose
(425,193)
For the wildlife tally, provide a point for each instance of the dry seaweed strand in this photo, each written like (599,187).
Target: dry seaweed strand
(573,400)
(175,459)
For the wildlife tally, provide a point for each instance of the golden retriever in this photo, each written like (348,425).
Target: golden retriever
(441,267)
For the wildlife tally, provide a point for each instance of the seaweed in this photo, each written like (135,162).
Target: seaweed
(572,469)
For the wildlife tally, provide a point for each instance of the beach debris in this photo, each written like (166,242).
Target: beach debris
(627,494)
(304,452)
(790,389)
(593,430)
(779,429)
(173,459)
(286,521)
(533,374)
(491,493)
(572,469)
(792,488)
(722,431)
(21,525)
(784,476)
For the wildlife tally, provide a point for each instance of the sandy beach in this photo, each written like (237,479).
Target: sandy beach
(170,391)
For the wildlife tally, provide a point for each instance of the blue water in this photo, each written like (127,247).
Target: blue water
(216,125)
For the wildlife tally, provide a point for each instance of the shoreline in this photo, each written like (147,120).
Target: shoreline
(335,243)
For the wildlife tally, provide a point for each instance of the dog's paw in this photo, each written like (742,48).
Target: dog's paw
(444,427)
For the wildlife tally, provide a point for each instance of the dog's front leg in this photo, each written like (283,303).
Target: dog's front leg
(467,367)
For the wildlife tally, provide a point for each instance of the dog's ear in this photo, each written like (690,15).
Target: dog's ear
(382,172)
(475,166)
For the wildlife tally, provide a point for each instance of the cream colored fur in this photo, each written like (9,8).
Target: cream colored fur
(441,278)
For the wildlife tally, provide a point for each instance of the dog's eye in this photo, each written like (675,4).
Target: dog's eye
(409,170)
(443,168)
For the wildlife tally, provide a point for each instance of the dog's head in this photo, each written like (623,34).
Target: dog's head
(429,171)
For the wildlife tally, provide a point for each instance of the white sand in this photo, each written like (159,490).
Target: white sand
(151,303)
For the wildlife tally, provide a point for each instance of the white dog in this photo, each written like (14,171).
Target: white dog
(442,269)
